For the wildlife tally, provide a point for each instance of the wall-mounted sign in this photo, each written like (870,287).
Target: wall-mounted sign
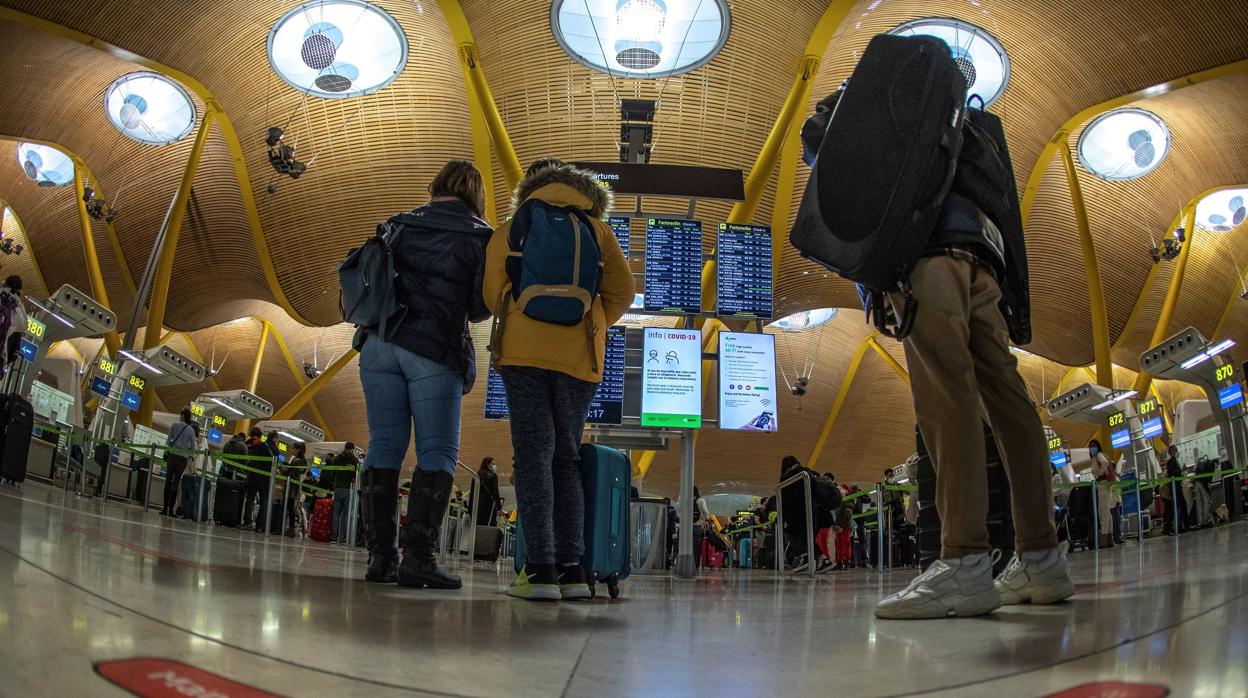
(27,349)
(1151,420)
(1231,395)
(1119,433)
(35,329)
(107,365)
(747,382)
(100,386)
(214,435)
(681,181)
(671,378)
(130,400)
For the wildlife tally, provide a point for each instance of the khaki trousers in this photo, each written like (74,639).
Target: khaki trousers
(961,372)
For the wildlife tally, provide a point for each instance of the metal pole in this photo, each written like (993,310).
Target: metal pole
(69,449)
(888,547)
(1139,508)
(212,498)
(1174,503)
(286,524)
(353,510)
(1096,518)
(151,465)
(778,533)
(203,485)
(879,527)
(810,527)
(268,499)
(684,555)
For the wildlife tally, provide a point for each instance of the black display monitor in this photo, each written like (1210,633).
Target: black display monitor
(743,271)
(607,407)
(673,266)
(620,226)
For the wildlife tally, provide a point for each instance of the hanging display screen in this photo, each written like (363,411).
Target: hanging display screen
(214,435)
(607,407)
(743,271)
(621,226)
(673,266)
(1057,452)
(130,400)
(747,382)
(1231,395)
(1119,433)
(1151,420)
(671,378)
(107,365)
(100,386)
(28,349)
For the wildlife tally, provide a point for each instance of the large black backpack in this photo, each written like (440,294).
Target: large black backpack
(884,168)
(367,280)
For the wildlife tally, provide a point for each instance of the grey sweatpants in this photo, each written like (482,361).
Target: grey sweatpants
(547,421)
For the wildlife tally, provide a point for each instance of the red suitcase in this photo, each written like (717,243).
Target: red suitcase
(322,520)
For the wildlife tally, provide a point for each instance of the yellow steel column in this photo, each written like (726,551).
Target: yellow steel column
(901,372)
(301,398)
(93,260)
(115,241)
(301,381)
(477,85)
(1092,269)
(1144,380)
(164,263)
(481,157)
(254,379)
(840,399)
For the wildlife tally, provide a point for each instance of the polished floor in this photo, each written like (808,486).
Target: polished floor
(78,587)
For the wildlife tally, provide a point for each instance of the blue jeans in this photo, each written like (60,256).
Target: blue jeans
(402,392)
(342,507)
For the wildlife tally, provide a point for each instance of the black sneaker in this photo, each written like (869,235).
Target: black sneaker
(572,584)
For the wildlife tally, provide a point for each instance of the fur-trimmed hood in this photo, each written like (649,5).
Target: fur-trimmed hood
(598,198)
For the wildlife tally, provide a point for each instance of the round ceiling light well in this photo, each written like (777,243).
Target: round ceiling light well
(641,38)
(150,108)
(1223,211)
(1123,144)
(979,55)
(45,165)
(337,48)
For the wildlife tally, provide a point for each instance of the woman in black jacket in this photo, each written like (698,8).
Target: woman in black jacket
(417,375)
(491,501)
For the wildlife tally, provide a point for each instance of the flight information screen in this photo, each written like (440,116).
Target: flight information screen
(607,407)
(673,266)
(743,271)
(620,226)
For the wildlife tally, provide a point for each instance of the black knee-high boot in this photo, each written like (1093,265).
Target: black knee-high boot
(380,504)
(426,506)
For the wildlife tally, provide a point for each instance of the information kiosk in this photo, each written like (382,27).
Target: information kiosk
(1189,357)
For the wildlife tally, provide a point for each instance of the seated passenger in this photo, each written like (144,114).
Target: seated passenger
(551,370)
(416,378)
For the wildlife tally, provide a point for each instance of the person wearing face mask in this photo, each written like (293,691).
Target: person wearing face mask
(491,502)
(1106,476)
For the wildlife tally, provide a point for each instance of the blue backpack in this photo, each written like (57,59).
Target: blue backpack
(555,264)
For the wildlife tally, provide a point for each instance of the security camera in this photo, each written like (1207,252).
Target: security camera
(311,370)
(281,155)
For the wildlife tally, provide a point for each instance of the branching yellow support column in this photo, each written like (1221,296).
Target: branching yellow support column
(901,372)
(480,89)
(253,380)
(1092,269)
(1144,380)
(481,156)
(841,394)
(93,260)
(301,398)
(301,382)
(164,263)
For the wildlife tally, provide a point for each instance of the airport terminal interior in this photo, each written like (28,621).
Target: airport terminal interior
(181,183)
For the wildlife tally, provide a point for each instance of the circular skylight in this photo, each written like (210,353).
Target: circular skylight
(982,59)
(337,48)
(1124,144)
(150,108)
(45,165)
(641,38)
(1222,211)
(805,320)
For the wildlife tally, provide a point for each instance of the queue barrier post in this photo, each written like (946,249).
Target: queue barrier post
(1096,517)
(879,527)
(1139,510)
(267,504)
(151,466)
(804,478)
(474,501)
(353,510)
(1174,504)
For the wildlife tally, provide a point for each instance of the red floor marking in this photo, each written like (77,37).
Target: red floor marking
(151,677)
(135,547)
(1124,582)
(1114,689)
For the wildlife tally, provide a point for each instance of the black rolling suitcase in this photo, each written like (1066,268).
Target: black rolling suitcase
(885,163)
(18,421)
(1232,493)
(1078,518)
(228,505)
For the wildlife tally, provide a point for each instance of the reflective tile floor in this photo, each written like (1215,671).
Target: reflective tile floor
(79,587)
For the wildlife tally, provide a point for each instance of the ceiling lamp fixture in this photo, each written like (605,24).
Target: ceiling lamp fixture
(45,165)
(150,108)
(337,48)
(1222,211)
(1123,144)
(641,38)
(981,58)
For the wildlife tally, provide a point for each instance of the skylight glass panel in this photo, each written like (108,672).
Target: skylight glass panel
(1124,144)
(150,108)
(641,38)
(338,48)
(981,58)
(45,165)
(1222,211)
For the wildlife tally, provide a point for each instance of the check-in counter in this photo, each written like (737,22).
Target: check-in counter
(648,521)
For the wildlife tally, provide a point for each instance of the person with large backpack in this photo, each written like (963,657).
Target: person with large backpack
(930,229)
(556,279)
(415,369)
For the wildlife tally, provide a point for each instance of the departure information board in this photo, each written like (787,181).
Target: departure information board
(621,227)
(673,266)
(607,407)
(743,271)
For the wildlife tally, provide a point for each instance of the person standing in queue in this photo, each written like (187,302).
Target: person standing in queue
(344,481)
(416,377)
(1106,475)
(552,370)
(1172,492)
(490,502)
(181,437)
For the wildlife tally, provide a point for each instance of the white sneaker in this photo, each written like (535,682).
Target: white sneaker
(1040,577)
(961,587)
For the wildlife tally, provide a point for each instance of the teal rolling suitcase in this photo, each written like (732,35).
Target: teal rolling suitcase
(606,476)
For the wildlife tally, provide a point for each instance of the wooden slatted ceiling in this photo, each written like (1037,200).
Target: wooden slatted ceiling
(376,153)
(24,264)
